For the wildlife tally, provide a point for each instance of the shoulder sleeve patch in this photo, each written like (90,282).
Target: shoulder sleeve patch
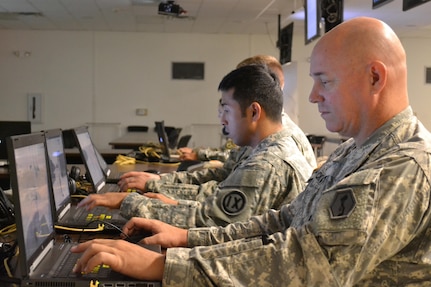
(343,204)
(233,202)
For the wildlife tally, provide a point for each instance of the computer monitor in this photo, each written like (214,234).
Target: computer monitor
(11,128)
(312,20)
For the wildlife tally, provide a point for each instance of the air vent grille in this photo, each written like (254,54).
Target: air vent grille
(55,284)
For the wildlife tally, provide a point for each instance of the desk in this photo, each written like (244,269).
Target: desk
(73,156)
(133,140)
(161,167)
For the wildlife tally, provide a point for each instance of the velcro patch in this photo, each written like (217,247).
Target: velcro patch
(233,202)
(343,204)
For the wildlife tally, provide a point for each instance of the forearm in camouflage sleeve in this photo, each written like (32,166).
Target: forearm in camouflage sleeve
(267,223)
(196,177)
(259,261)
(182,215)
(212,154)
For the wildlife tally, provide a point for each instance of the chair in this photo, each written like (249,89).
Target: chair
(137,128)
(183,141)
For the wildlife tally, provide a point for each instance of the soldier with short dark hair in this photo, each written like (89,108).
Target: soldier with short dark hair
(271,173)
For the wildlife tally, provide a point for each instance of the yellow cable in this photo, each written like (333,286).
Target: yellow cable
(122,160)
(78,196)
(99,227)
(150,151)
(6,266)
(8,229)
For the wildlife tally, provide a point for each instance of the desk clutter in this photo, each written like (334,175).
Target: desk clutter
(146,153)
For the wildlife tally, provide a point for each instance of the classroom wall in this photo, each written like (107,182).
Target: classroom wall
(100,78)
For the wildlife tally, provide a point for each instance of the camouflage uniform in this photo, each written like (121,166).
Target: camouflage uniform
(205,154)
(169,183)
(297,134)
(302,141)
(174,182)
(273,174)
(363,220)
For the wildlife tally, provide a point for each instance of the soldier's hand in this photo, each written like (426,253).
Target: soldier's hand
(162,233)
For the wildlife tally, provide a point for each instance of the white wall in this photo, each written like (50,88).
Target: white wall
(102,77)
(419,57)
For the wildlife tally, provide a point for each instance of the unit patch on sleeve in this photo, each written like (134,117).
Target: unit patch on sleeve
(233,202)
(343,204)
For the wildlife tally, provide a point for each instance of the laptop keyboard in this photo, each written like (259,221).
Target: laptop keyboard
(65,269)
(114,177)
(97,213)
(110,188)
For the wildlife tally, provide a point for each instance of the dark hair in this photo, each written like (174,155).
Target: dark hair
(255,83)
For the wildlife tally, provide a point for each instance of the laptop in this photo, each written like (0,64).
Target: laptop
(166,155)
(43,260)
(66,215)
(94,173)
(110,176)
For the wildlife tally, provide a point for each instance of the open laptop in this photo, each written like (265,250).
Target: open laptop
(163,141)
(110,176)
(43,260)
(66,215)
(89,156)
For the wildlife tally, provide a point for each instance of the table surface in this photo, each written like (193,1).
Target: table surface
(133,139)
(161,167)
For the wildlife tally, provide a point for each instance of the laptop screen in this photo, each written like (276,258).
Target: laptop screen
(30,185)
(89,158)
(57,168)
(103,165)
(163,139)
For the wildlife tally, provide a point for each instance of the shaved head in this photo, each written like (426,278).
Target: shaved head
(360,74)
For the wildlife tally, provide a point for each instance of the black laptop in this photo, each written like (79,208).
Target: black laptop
(166,155)
(44,261)
(110,176)
(89,156)
(67,215)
